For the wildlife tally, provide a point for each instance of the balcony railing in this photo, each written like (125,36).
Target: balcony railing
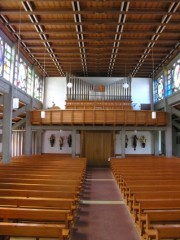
(98,117)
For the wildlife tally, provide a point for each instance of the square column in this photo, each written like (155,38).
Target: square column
(7,127)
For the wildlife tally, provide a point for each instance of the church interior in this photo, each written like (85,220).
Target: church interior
(90,119)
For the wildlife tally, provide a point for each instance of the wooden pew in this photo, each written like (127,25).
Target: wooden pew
(38,194)
(58,220)
(51,187)
(40,181)
(41,187)
(153,196)
(154,204)
(36,215)
(48,203)
(152,185)
(34,230)
(165,232)
(128,194)
(160,217)
(42,176)
(131,184)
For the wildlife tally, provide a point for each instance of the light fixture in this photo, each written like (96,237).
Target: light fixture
(125,85)
(69,85)
(43,114)
(153,115)
(15,103)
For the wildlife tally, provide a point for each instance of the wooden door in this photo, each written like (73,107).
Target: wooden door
(98,146)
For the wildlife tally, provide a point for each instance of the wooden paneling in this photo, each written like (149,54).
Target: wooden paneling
(47,119)
(56,117)
(110,117)
(130,117)
(98,147)
(78,116)
(99,117)
(89,117)
(141,117)
(95,104)
(67,117)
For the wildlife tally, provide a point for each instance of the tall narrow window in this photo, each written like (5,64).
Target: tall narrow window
(168,84)
(1,55)
(7,62)
(29,81)
(20,77)
(176,76)
(38,88)
(158,89)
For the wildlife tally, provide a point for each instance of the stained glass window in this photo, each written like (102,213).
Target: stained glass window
(158,89)
(1,55)
(176,76)
(29,81)
(155,92)
(38,88)
(168,84)
(7,62)
(20,78)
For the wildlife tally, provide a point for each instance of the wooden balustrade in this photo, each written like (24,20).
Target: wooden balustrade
(95,104)
(98,117)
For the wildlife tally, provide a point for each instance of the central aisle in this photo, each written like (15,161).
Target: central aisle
(103,214)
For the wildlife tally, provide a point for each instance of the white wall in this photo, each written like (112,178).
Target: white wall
(139,149)
(55,91)
(140,91)
(56,148)
(68,150)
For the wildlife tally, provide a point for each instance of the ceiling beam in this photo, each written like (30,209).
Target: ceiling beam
(89,11)
(94,23)
(64,1)
(96,32)
(104,40)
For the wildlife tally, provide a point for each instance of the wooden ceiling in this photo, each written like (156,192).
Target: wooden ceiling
(95,37)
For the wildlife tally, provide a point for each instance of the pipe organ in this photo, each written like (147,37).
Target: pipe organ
(82,90)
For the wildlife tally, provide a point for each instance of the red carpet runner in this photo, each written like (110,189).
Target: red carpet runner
(103,214)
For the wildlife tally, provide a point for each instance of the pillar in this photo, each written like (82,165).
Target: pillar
(123,133)
(28,132)
(7,127)
(73,143)
(39,141)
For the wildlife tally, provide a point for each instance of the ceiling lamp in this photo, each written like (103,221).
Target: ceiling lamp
(69,85)
(125,85)
(15,103)
(43,114)
(153,115)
